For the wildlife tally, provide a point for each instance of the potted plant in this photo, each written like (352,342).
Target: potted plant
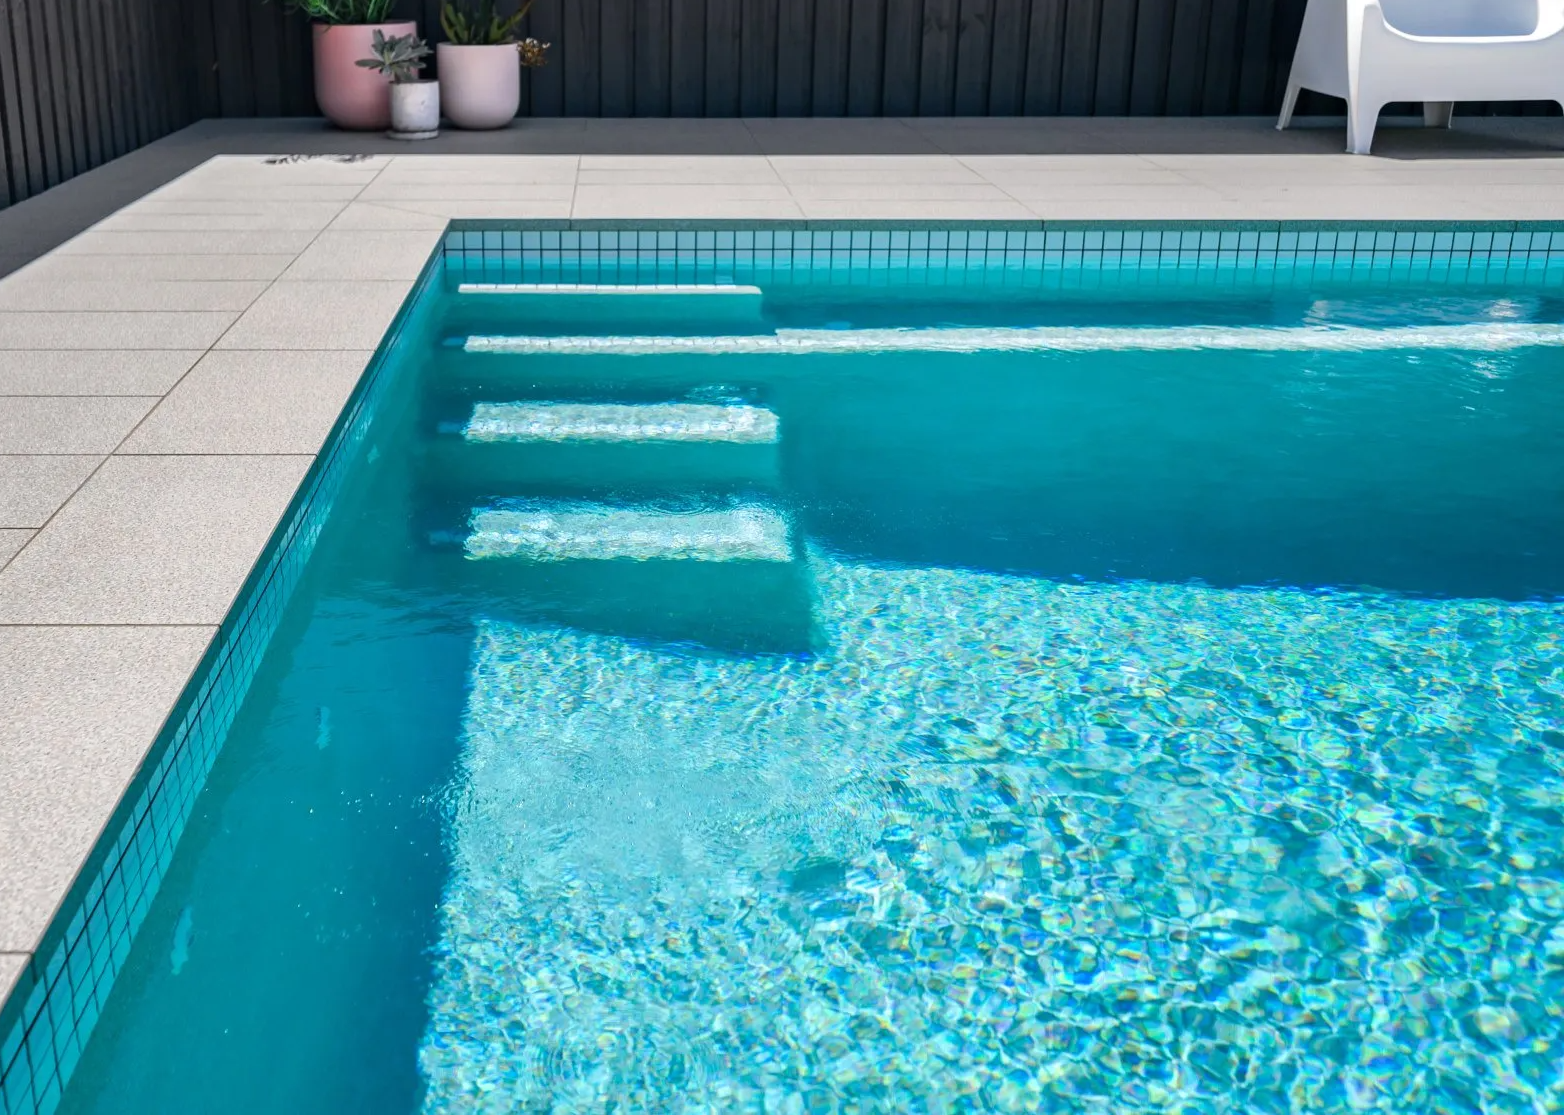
(351,96)
(415,103)
(480,66)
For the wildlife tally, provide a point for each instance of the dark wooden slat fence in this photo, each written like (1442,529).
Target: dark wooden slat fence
(84,81)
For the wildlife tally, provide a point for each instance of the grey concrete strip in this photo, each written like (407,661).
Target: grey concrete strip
(78,711)
(158,540)
(341,315)
(12,540)
(72,424)
(252,402)
(148,294)
(33,487)
(57,372)
(112,330)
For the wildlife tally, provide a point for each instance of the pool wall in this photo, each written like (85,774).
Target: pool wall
(49,1016)
(50,1013)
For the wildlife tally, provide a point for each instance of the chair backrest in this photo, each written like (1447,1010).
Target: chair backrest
(1461,18)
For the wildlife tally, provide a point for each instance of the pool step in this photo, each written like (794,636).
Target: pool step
(614,422)
(565,532)
(633,450)
(1488,336)
(552,307)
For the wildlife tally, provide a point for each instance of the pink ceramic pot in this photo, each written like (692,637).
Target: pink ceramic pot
(352,96)
(480,86)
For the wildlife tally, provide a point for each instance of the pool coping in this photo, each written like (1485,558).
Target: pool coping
(209,421)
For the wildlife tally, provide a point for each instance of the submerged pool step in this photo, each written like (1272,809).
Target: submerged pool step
(620,422)
(1489,336)
(556,532)
(562,305)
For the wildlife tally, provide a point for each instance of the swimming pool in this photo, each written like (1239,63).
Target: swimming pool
(937,684)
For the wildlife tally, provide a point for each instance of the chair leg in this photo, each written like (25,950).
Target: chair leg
(1361,121)
(1289,102)
(1436,114)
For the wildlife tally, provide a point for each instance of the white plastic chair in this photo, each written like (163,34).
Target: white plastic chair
(1373,52)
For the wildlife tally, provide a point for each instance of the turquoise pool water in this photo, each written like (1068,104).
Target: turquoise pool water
(890,702)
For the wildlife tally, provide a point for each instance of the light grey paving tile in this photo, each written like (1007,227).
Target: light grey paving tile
(369,216)
(341,315)
(93,371)
(12,540)
(619,207)
(913,210)
(91,329)
(530,209)
(410,189)
(79,710)
(33,487)
(895,190)
(75,424)
(695,170)
(365,255)
(96,372)
(473,169)
(175,215)
(131,269)
(824,173)
(220,190)
(151,540)
(22,292)
(908,166)
(262,242)
(252,402)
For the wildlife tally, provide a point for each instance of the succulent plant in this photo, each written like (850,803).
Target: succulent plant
(343,11)
(399,57)
(480,25)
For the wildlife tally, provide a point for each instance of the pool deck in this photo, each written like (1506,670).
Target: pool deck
(180,329)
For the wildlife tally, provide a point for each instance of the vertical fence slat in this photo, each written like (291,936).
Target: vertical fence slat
(100,99)
(1115,57)
(758,58)
(578,56)
(265,57)
(1220,94)
(865,57)
(1256,60)
(1044,58)
(903,52)
(1007,63)
(687,94)
(937,68)
(13,187)
(722,57)
(795,57)
(652,53)
(618,55)
(1078,70)
(833,30)
(1153,33)
(974,54)
(1186,56)
(78,77)
(546,21)
(795,49)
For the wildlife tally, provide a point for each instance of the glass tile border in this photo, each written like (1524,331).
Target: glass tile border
(1010,254)
(47,1019)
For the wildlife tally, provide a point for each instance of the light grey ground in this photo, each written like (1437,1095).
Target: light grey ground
(168,373)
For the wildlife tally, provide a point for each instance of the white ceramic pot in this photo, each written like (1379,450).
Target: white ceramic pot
(482,84)
(415,107)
